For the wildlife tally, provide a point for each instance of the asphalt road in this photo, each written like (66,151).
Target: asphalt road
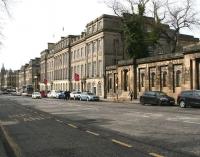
(51,127)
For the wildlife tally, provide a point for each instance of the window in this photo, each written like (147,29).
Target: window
(164,80)
(78,55)
(100,68)
(82,71)
(178,78)
(94,47)
(89,30)
(94,28)
(99,46)
(89,49)
(74,55)
(152,79)
(125,80)
(81,52)
(94,68)
(110,83)
(89,69)
(142,80)
(99,25)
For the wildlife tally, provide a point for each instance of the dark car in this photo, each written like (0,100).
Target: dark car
(156,98)
(189,98)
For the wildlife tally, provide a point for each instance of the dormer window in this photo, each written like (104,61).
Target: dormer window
(100,26)
(89,30)
(94,28)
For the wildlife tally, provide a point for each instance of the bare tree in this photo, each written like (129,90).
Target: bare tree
(4,11)
(179,17)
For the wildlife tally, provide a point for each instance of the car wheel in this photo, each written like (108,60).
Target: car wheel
(159,103)
(142,101)
(182,104)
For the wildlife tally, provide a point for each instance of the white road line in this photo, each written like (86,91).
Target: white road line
(155,155)
(93,133)
(122,143)
(73,126)
(191,122)
(59,120)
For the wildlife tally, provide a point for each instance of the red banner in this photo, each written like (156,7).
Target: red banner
(76,77)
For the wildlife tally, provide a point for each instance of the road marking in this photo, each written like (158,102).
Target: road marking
(122,143)
(59,121)
(73,126)
(191,122)
(155,155)
(93,133)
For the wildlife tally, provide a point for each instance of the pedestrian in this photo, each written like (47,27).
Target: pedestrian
(68,95)
(65,93)
(131,95)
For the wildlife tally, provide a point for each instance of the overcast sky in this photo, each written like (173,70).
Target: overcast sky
(34,23)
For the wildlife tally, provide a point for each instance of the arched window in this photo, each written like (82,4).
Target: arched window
(142,80)
(153,79)
(164,79)
(178,78)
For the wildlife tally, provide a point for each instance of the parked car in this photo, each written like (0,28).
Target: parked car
(36,95)
(88,96)
(24,94)
(52,94)
(189,98)
(156,98)
(60,95)
(75,95)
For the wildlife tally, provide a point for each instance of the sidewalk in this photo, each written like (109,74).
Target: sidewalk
(134,101)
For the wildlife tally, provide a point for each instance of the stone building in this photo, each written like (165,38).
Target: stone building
(9,79)
(29,75)
(170,73)
(2,77)
(77,62)
(22,77)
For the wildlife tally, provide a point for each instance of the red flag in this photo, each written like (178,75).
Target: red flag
(76,77)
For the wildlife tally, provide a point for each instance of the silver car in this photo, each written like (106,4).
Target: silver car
(89,96)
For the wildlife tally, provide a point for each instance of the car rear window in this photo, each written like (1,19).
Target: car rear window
(187,93)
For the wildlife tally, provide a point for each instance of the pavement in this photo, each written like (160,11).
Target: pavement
(134,101)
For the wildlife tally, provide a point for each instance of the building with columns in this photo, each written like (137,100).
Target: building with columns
(170,73)
(77,62)
(95,61)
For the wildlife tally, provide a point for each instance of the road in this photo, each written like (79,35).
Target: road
(51,127)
